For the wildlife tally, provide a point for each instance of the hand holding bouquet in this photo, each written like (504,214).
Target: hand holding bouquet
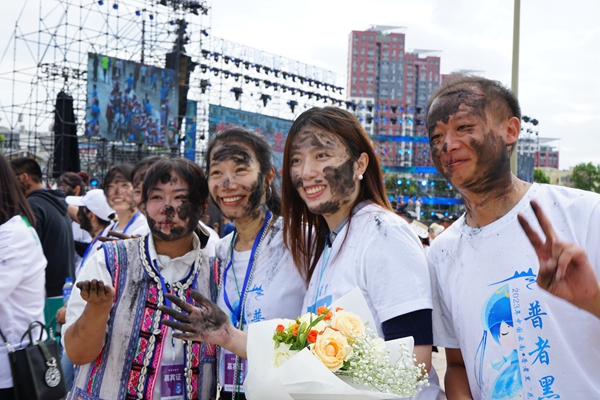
(342,343)
(332,354)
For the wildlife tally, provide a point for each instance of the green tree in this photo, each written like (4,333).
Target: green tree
(539,176)
(586,177)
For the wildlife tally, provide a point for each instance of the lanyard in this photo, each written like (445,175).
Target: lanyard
(131,221)
(324,264)
(162,280)
(87,253)
(239,312)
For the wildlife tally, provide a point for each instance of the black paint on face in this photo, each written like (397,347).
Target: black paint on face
(341,185)
(493,162)
(84,221)
(235,152)
(314,137)
(448,104)
(168,178)
(255,206)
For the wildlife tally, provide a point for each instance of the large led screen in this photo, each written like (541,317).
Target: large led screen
(275,130)
(131,102)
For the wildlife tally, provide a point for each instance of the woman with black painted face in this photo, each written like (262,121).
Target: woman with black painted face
(258,280)
(118,188)
(332,185)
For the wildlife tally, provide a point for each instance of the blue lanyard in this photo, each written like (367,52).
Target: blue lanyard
(131,221)
(162,280)
(87,253)
(239,310)
(324,264)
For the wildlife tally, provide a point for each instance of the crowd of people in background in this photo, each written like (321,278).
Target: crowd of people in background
(517,267)
(129,115)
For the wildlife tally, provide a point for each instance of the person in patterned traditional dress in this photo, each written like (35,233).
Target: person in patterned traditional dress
(114,330)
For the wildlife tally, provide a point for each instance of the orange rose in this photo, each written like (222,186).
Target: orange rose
(280,328)
(332,349)
(323,310)
(312,336)
(295,330)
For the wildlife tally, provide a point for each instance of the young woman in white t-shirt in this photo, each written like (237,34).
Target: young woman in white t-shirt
(332,183)
(257,277)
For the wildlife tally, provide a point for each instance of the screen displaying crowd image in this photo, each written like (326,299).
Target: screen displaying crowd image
(131,102)
(273,129)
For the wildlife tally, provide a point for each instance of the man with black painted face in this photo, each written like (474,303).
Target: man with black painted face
(114,330)
(484,268)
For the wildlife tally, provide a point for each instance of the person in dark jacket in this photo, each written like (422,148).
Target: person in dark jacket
(52,224)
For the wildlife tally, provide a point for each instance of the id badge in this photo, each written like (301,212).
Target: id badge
(230,372)
(172,382)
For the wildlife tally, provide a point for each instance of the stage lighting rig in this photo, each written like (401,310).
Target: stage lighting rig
(204,84)
(100,3)
(265,99)
(204,32)
(237,91)
(292,104)
(115,6)
(205,54)
(216,56)
(247,79)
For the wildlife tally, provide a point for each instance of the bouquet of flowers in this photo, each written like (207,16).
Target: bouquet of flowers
(333,354)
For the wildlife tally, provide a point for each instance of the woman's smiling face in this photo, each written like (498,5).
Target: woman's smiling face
(323,171)
(235,181)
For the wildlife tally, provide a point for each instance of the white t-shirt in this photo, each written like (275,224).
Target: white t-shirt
(383,257)
(515,338)
(22,286)
(138,225)
(276,289)
(172,270)
(79,235)
(213,238)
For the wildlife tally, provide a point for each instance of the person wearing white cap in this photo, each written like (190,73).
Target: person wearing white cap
(95,217)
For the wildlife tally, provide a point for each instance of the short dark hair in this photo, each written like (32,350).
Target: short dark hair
(500,101)
(29,166)
(262,150)
(190,172)
(139,171)
(119,169)
(12,200)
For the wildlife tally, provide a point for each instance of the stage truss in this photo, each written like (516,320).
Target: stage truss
(50,55)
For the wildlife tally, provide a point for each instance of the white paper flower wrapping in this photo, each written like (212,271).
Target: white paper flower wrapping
(303,376)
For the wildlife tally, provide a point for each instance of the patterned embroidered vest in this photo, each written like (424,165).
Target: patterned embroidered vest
(128,365)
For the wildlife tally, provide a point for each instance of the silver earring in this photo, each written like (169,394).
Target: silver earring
(360,177)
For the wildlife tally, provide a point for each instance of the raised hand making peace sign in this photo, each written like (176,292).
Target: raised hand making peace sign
(565,270)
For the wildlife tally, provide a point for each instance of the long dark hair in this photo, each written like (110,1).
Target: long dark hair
(12,200)
(303,230)
(262,150)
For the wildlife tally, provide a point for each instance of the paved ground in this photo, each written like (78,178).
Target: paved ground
(439,362)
